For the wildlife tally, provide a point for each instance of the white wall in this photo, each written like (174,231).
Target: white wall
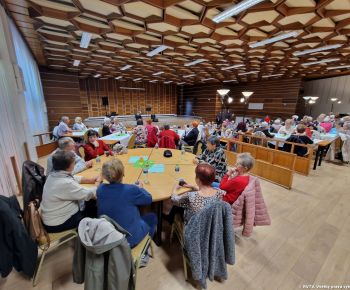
(325,89)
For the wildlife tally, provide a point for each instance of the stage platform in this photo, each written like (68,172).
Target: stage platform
(129,120)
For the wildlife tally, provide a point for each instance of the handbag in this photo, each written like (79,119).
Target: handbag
(34,225)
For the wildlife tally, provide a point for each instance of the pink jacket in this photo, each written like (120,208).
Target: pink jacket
(249,209)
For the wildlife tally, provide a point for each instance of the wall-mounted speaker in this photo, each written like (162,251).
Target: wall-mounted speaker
(105,101)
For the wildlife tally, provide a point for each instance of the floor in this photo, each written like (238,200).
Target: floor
(307,243)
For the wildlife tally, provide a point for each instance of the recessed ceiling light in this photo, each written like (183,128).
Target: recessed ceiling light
(236,9)
(157,50)
(339,67)
(229,81)
(229,100)
(126,67)
(248,73)
(207,79)
(158,73)
(189,76)
(323,48)
(85,39)
(168,82)
(118,78)
(181,83)
(197,61)
(76,62)
(129,88)
(274,39)
(153,81)
(232,66)
(97,75)
(137,79)
(321,61)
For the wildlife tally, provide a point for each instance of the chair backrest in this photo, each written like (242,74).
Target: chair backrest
(85,137)
(100,132)
(55,133)
(167,142)
(81,152)
(131,143)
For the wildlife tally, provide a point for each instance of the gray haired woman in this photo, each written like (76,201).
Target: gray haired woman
(215,156)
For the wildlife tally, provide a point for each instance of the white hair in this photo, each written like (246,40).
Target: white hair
(327,119)
(64,118)
(77,119)
(246,160)
(64,142)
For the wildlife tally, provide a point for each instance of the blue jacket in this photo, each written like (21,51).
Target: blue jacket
(120,202)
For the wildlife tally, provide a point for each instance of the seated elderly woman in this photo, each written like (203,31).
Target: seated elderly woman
(140,133)
(152,132)
(237,178)
(121,202)
(200,195)
(117,126)
(288,128)
(79,125)
(301,138)
(95,147)
(215,156)
(106,128)
(63,194)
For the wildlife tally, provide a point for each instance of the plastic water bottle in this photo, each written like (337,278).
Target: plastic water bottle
(145,173)
(183,151)
(177,170)
(98,159)
(156,146)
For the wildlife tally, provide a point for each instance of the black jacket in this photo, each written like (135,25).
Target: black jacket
(33,180)
(18,250)
(191,137)
(301,139)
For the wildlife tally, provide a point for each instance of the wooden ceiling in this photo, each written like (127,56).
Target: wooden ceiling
(123,32)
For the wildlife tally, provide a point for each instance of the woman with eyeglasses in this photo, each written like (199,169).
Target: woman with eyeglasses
(237,178)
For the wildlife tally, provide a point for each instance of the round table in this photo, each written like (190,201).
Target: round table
(160,184)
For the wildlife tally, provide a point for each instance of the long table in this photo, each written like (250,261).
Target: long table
(160,184)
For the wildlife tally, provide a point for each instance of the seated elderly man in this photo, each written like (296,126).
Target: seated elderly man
(61,205)
(63,127)
(67,144)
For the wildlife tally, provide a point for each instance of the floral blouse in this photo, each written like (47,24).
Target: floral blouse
(193,202)
(141,134)
(217,159)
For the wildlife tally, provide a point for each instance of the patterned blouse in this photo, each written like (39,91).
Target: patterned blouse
(217,159)
(141,134)
(193,202)
(117,128)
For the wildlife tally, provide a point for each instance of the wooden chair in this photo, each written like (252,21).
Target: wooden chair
(100,132)
(190,148)
(56,240)
(177,228)
(131,144)
(81,152)
(139,251)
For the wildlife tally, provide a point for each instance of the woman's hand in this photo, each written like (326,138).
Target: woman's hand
(89,164)
(99,179)
(96,144)
(195,161)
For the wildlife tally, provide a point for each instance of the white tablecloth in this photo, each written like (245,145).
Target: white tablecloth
(124,140)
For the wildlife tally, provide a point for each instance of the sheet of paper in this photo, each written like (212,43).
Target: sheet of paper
(156,168)
(134,159)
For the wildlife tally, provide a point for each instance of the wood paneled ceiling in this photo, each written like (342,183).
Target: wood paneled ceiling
(123,32)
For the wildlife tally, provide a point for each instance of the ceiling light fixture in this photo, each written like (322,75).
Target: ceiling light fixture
(242,100)
(236,9)
(97,75)
(168,82)
(311,102)
(339,102)
(338,67)
(157,50)
(129,88)
(229,100)
(223,92)
(207,79)
(248,73)
(181,83)
(247,94)
(323,48)
(270,76)
(189,76)
(158,73)
(232,66)
(197,61)
(334,99)
(306,98)
(229,81)
(85,39)
(321,61)
(274,39)
(126,67)
(118,78)
(314,98)
(153,81)
(76,62)
(138,79)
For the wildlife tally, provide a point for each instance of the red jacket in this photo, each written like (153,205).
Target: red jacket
(92,152)
(167,142)
(152,138)
(171,134)
(233,187)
